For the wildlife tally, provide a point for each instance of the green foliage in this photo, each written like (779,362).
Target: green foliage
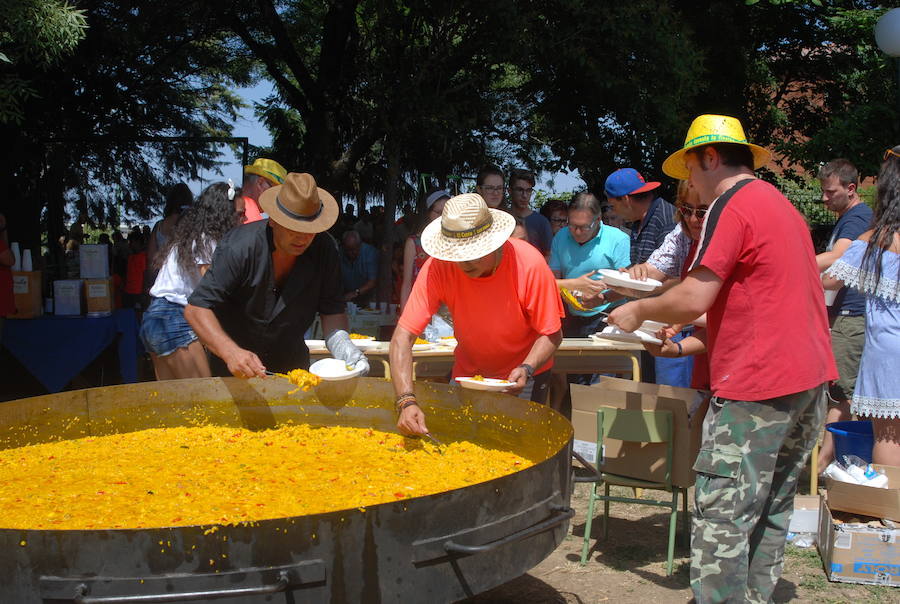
(822,89)
(34,34)
(157,69)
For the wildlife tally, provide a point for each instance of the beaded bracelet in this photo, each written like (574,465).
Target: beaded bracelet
(404,398)
(405,404)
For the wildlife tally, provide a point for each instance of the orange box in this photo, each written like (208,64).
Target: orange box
(98,297)
(28,292)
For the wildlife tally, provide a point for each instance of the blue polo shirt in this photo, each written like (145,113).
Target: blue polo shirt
(355,273)
(610,248)
(855,221)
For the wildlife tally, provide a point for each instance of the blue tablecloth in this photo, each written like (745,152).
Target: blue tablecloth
(56,349)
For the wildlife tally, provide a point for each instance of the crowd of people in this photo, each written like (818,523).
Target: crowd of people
(742,299)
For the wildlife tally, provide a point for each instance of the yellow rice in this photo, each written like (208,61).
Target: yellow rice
(221,475)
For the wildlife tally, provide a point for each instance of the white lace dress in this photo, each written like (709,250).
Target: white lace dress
(877,392)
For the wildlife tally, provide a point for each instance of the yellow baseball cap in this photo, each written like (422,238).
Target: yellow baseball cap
(708,129)
(269,169)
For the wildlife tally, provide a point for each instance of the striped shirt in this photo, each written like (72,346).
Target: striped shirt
(649,234)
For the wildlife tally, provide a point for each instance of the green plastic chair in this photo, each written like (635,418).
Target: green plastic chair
(642,426)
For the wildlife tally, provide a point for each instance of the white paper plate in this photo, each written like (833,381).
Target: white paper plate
(421,347)
(617,335)
(450,342)
(619,279)
(315,344)
(364,344)
(486,384)
(333,370)
(651,327)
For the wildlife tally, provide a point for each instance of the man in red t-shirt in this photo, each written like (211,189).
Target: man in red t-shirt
(259,176)
(7,259)
(755,276)
(502,296)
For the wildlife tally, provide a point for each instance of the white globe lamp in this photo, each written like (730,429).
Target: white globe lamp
(887,33)
(887,36)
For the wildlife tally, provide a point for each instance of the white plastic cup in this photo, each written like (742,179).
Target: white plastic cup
(830,296)
(27,265)
(17,263)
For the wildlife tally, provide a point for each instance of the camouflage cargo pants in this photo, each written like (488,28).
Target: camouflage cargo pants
(747,473)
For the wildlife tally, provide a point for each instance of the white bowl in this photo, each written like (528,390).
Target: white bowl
(333,370)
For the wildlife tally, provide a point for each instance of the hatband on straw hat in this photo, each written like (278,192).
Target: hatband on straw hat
(706,130)
(299,205)
(269,169)
(467,230)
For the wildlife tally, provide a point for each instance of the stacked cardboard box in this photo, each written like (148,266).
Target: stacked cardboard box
(642,461)
(28,293)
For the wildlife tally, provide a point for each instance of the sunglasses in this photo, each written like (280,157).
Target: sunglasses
(562,221)
(687,212)
(890,152)
(584,228)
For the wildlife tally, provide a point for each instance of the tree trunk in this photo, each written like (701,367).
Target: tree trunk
(386,253)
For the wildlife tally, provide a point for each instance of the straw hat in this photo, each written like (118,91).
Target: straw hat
(299,205)
(467,230)
(269,169)
(708,129)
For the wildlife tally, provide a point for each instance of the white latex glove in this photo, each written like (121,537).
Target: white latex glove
(342,347)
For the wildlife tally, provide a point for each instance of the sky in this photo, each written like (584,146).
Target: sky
(247,125)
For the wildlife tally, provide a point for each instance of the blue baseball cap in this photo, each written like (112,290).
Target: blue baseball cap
(627,181)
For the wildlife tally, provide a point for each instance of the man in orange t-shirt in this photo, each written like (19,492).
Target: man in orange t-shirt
(502,296)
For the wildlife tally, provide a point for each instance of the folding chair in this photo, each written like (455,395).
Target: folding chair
(639,426)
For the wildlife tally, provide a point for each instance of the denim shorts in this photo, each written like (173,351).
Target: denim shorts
(164,329)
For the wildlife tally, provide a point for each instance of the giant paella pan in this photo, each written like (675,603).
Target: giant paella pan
(438,547)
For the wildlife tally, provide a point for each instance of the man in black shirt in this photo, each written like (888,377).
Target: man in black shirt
(267,281)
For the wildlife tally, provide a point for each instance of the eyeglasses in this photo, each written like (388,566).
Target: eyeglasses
(687,212)
(585,227)
(522,191)
(495,189)
(562,221)
(890,152)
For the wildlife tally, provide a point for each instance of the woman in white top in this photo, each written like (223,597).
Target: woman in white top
(173,346)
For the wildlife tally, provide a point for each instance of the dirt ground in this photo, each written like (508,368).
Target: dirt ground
(631,567)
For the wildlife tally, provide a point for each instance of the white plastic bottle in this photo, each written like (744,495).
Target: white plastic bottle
(875,478)
(835,471)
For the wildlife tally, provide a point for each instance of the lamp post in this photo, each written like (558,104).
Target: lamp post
(887,36)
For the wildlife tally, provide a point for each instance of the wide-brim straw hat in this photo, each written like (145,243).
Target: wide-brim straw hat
(467,230)
(709,129)
(269,169)
(299,205)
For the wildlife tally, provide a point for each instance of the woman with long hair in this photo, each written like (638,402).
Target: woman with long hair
(173,346)
(871,265)
(413,254)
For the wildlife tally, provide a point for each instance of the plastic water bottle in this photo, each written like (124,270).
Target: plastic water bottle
(875,478)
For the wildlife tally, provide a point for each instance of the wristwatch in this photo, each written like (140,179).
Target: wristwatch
(529,370)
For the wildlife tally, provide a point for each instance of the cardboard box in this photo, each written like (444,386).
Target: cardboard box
(67,297)
(98,297)
(858,552)
(642,461)
(869,501)
(93,261)
(28,293)
(805,518)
